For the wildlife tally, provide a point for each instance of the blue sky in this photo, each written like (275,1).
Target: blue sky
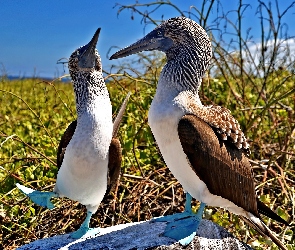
(35,34)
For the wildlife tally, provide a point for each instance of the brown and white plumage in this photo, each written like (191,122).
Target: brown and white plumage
(115,150)
(115,155)
(203,146)
(210,156)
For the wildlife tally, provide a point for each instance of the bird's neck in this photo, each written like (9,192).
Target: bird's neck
(184,69)
(90,90)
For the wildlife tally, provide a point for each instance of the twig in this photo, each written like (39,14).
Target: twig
(20,140)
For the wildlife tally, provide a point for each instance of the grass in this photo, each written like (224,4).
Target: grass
(35,113)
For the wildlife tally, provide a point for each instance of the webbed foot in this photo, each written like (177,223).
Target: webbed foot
(182,230)
(38,197)
(174,217)
(183,226)
(84,232)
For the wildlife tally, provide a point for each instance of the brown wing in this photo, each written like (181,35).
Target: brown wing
(64,141)
(221,119)
(213,158)
(115,151)
(227,126)
(115,159)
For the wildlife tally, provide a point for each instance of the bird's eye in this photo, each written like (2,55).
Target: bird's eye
(159,33)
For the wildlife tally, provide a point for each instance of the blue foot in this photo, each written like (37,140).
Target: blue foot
(40,198)
(183,226)
(183,230)
(84,231)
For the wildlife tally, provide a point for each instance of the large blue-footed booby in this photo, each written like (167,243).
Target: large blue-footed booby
(203,146)
(89,154)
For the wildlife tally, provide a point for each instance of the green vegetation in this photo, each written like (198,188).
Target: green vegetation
(35,113)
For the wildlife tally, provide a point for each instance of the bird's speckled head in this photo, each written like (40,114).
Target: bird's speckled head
(86,58)
(187,47)
(174,36)
(86,72)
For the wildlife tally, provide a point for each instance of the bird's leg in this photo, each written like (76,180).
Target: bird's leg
(84,230)
(179,216)
(188,203)
(38,197)
(183,226)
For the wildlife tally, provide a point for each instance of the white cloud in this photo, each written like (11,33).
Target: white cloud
(258,58)
(272,54)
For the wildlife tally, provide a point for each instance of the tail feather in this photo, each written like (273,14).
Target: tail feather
(118,119)
(265,210)
(260,227)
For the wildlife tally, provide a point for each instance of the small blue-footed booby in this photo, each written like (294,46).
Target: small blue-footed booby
(203,146)
(89,154)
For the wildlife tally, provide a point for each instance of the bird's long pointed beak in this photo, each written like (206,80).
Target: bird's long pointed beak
(152,41)
(92,44)
(87,57)
(141,45)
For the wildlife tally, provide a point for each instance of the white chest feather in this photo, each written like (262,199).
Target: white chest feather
(83,174)
(163,120)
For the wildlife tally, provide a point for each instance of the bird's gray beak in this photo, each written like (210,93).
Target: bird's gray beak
(155,40)
(87,57)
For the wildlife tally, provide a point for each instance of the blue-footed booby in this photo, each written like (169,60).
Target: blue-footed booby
(89,154)
(203,146)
